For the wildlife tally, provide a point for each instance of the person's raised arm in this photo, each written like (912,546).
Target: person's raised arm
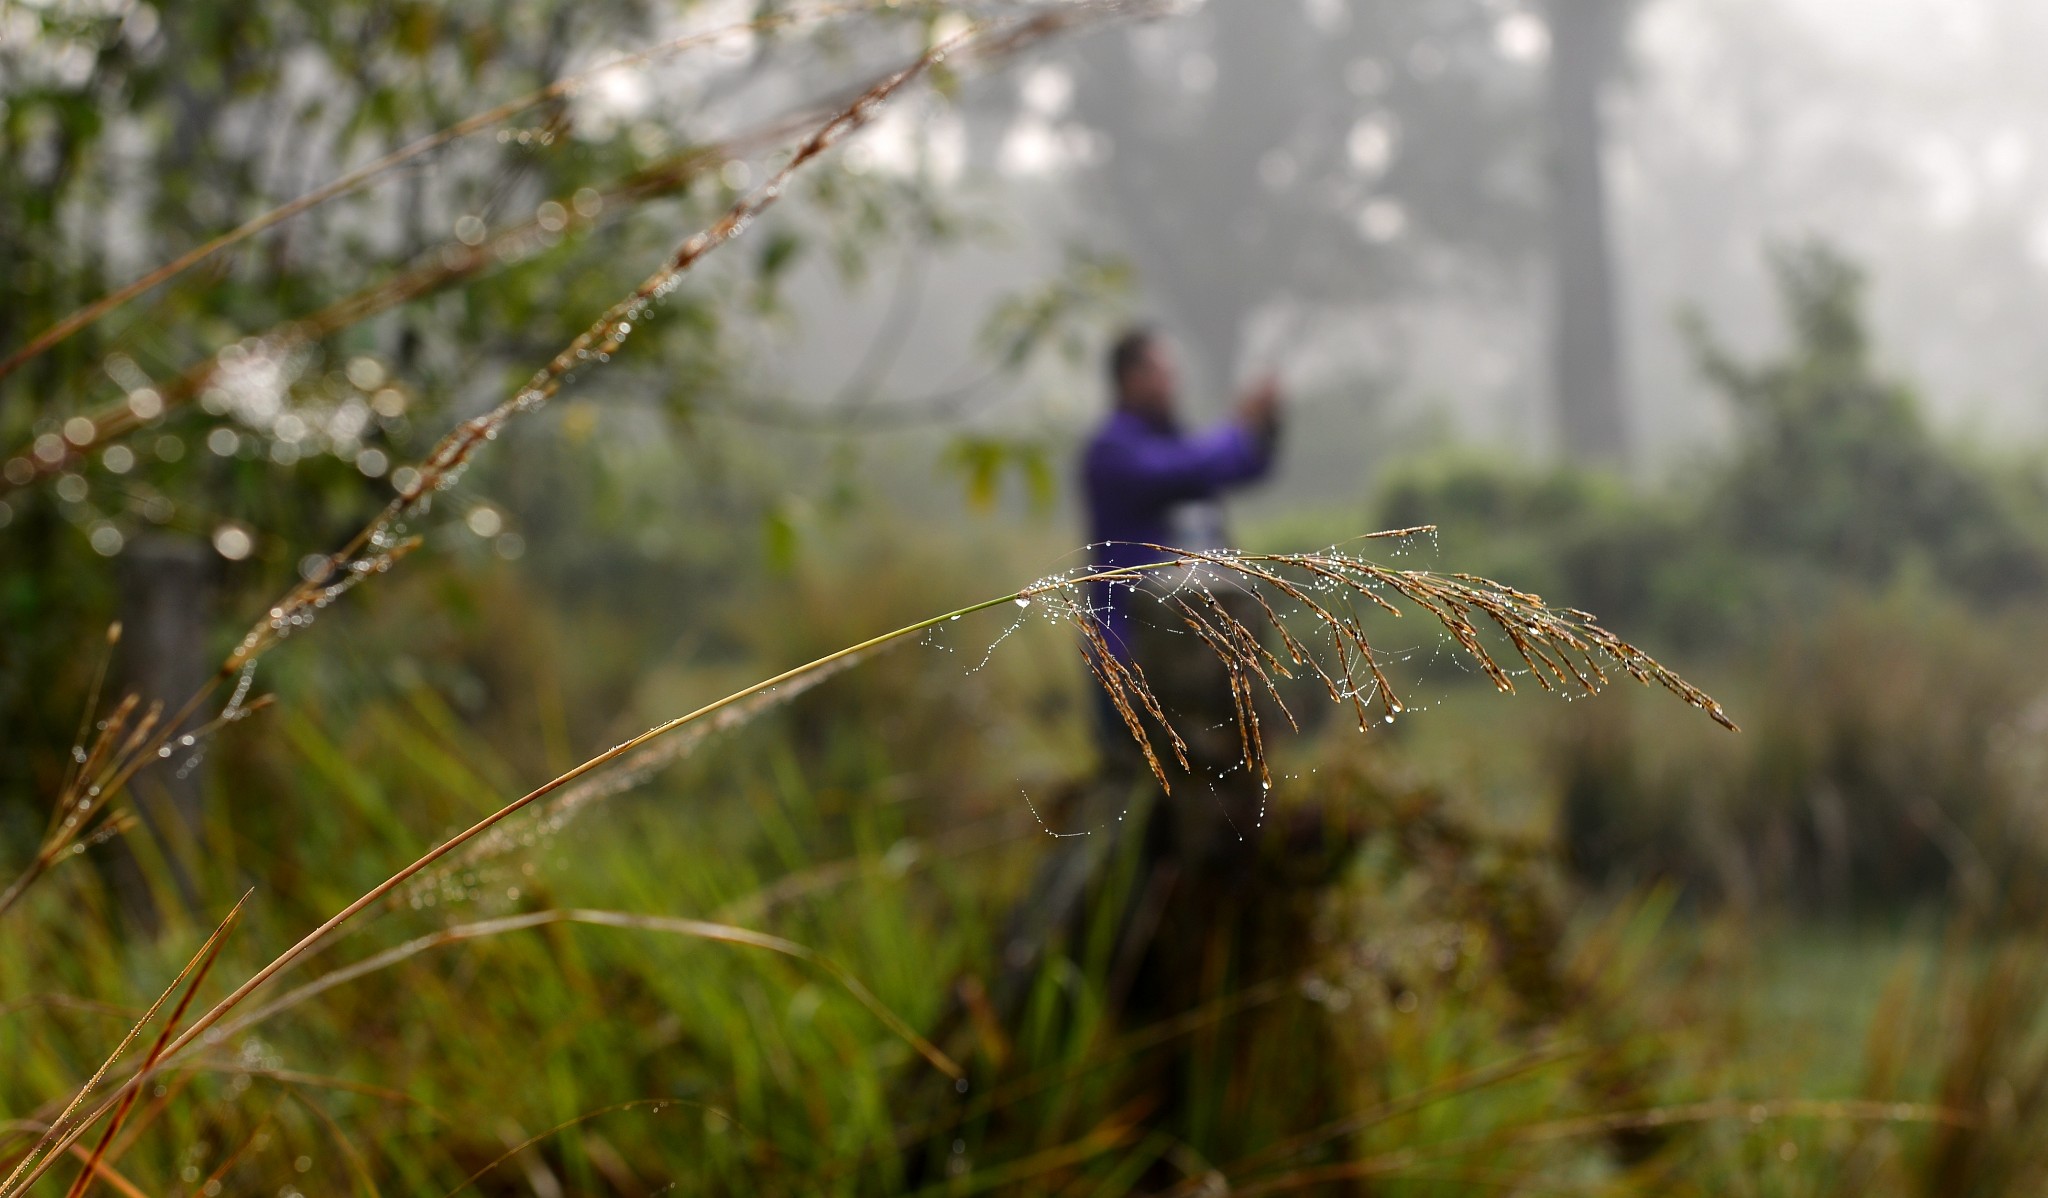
(1163,470)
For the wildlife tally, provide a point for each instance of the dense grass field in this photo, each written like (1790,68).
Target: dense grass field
(510,845)
(1463,1012)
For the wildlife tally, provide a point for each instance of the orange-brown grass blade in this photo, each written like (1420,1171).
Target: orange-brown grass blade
(64,1130)
(109,1174)
(127,1104)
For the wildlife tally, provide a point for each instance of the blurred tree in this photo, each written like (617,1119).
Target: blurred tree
(1264,159)
(1837,465)
(1586,353)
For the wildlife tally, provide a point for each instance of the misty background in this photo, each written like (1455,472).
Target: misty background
(1377,217)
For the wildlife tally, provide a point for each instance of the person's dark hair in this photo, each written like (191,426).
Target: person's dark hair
(1125,351)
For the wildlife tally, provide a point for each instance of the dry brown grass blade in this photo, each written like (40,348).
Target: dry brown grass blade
(127,1103)
(107,1173)
(84,813)
(356,179)
(64,1130)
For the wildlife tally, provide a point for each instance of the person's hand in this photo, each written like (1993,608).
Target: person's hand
(1259,406)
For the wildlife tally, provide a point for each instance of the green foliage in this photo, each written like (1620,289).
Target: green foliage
(983,463)
(1418,1005)
(1835,484)
(1836,465)
(1867,587)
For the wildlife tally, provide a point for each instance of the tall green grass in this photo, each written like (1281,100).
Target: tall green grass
(717,968)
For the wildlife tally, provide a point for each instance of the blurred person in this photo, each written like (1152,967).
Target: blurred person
(1150,481)
(1192,895)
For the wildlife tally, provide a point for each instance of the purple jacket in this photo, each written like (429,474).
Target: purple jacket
(1151,482)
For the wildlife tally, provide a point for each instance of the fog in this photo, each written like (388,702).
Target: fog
(1413,157)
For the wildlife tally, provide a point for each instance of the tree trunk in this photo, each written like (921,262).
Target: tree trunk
(1586,368)
(167,587)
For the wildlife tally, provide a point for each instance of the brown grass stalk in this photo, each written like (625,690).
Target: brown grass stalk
(64,1130)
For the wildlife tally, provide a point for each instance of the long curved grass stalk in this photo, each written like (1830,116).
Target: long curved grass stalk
(362,176)
(18,1184)
(1453,600)
(635,768)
